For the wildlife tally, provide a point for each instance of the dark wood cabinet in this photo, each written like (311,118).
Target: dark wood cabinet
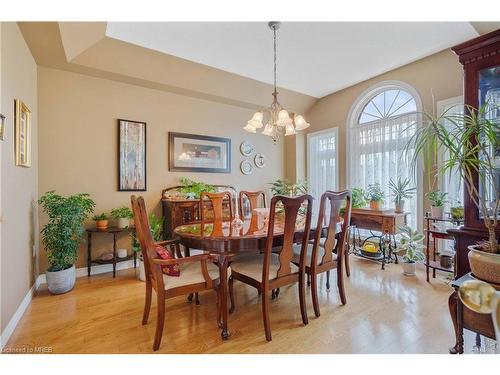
(179,211)
(480,58)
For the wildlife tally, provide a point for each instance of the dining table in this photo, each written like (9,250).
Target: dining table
(226,239)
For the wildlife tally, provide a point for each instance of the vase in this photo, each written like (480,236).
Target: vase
(437,212)
(375,205)
(60,282)
(142,271)
(484,266)
(399,207)
(409,269)
(101,224)
(122,222)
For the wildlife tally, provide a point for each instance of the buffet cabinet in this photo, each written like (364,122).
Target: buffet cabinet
(480,58)
(177,210)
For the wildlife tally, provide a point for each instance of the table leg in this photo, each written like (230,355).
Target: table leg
(222,263)
(394,249)
(135,259)
(382,247)
(89,253)
(452,306)
(460,326)
(114,255)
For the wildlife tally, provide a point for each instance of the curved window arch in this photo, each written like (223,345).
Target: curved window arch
(380,124)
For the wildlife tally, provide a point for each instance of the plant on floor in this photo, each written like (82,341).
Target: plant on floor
(193,189)
(410,244)
(470,142)
(62,234)
(401,190)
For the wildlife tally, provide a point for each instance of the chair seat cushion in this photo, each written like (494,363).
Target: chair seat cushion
(190,273)
(251,265)
(321,253)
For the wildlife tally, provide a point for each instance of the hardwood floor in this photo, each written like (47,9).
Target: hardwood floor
(386,312)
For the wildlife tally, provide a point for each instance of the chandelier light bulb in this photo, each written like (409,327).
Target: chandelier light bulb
(268,130)
(256,120)
(249,128)
(290,130)
(301,123)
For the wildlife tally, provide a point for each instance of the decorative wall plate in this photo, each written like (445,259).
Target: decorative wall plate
(246,167)
(259,160)
(246,148)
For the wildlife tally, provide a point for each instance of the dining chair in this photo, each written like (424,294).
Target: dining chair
(326,254)
(270,271)
(217,207)
(252,197)
(197,273)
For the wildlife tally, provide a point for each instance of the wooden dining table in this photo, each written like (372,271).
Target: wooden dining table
(225,240)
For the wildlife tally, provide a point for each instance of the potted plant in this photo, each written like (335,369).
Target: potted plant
(290,189)
(122,215)
(471,142)
(61,236)
(101,221)
(438,200)
(457,211)
(410,244)
(156,227)
(401,190)
(192,189)
(375,195)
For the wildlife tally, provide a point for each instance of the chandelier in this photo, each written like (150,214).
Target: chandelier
(279,121)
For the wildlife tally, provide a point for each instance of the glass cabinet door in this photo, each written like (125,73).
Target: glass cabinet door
(489,97)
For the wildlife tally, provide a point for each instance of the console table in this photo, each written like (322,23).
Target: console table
(386,222)
(114,231)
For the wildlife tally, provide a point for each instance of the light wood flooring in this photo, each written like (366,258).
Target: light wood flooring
(386,312)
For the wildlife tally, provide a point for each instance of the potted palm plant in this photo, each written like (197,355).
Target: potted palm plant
(471,142)
(375,195)
(437,199)
(401,191)
(61,236)
(122,215)
(411,247)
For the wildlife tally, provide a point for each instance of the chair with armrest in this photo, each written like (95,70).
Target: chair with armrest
(324,255)
(270,271)
(197,273)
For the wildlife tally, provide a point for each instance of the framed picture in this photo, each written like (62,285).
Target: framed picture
(2,126)
(131,155)
(199,153)
(22,147)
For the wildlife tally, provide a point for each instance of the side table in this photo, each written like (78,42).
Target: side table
(114,231)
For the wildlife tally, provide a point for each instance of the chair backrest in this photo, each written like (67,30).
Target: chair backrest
(334,202)
(216,200)
(145,238)
(291,207)
(252,197)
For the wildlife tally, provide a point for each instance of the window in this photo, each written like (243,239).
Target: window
(381,123)
(451,183)
(322,168)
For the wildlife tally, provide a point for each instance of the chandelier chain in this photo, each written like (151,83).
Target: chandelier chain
(274,31)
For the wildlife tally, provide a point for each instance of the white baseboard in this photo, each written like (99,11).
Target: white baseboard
(80,272)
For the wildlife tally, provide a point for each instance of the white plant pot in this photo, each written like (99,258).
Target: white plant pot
(399,207)
(142,271)
(437,212)
(60,282)
(122,222)
(409,269)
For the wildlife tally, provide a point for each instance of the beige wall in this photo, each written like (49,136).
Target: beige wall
(19,185)
(439,75)
(78,139)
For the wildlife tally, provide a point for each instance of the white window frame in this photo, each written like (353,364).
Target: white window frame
(335,131)
(352,121)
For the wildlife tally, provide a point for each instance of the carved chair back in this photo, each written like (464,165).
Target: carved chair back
(333,202)
(216,206)
(146,241)
(252,197)
(289,216)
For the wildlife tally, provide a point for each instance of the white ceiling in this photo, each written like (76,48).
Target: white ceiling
(314,58)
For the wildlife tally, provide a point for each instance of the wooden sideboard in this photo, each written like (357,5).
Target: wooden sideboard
(177,211)
(386,221)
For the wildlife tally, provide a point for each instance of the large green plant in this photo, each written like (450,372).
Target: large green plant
(156,228)
(194,188)
(62,234)
(469,143)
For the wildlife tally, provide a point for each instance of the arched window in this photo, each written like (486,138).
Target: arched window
(381,122)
